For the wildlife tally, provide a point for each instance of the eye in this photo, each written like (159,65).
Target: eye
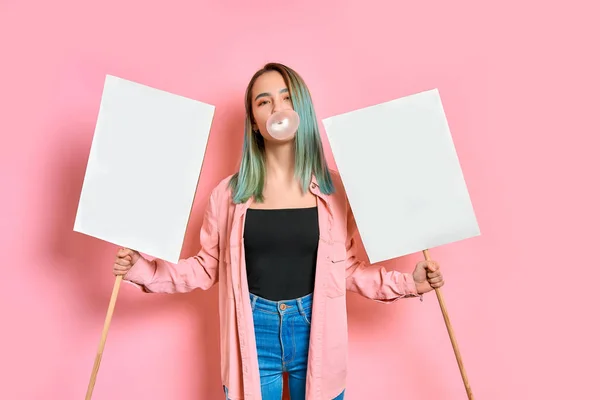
(287,98)
(262,102)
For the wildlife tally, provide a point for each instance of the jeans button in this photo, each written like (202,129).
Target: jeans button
(282,307)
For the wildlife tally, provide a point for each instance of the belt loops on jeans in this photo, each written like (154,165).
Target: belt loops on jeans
(253,302)
(300,308)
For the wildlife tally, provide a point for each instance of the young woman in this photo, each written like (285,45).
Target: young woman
(278,238)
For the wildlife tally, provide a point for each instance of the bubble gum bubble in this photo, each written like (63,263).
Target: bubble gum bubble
(283,124)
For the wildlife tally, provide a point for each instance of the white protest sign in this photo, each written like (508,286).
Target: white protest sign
(143,168)
(402,176)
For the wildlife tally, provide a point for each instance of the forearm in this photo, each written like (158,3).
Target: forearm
(378,283)
(159,276)
(200,271)
(373,281)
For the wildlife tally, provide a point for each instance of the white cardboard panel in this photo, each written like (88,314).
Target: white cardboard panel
(402,176)
(143,168)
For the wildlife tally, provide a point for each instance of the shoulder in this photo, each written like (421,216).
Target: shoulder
(338,185)
(338,199)
(340,207)
(223,185)
(336,178)
(222,191)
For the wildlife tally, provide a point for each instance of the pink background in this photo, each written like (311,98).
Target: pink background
(520,86)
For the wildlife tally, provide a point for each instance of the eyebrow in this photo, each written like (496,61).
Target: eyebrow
(284,90)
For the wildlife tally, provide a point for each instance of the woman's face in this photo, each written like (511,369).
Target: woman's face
(269,95)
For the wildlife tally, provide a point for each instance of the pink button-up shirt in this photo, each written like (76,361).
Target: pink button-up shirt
(221,259)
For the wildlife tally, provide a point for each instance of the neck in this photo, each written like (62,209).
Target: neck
(280,160)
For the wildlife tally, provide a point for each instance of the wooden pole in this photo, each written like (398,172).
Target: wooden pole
(109,314)
(440,298)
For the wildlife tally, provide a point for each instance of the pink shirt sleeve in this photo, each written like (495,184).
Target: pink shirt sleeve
(374,282)
(200,271)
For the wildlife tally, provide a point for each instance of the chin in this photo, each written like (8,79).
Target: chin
(273,140)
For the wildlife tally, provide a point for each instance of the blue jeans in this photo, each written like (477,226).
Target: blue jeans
(282,330)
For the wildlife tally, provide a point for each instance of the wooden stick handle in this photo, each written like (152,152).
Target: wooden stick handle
(463,373)
(109,314)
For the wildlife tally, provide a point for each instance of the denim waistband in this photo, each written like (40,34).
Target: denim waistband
(283,306)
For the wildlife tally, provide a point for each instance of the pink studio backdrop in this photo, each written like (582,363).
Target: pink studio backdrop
(520,86)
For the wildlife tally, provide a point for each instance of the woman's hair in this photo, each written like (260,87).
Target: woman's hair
(250,178)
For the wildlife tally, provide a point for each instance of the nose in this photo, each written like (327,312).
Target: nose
(279,105)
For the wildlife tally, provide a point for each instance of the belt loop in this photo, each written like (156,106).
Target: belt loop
(253,302)
(300,307)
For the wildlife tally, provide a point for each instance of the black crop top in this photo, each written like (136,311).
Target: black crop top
(281,252)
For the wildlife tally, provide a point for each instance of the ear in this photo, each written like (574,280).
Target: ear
(252,122)
(254,125)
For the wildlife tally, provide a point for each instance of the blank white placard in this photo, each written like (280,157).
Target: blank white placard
(143,168)
(402,176)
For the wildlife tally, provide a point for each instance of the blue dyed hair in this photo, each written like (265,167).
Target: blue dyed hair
(310,160)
